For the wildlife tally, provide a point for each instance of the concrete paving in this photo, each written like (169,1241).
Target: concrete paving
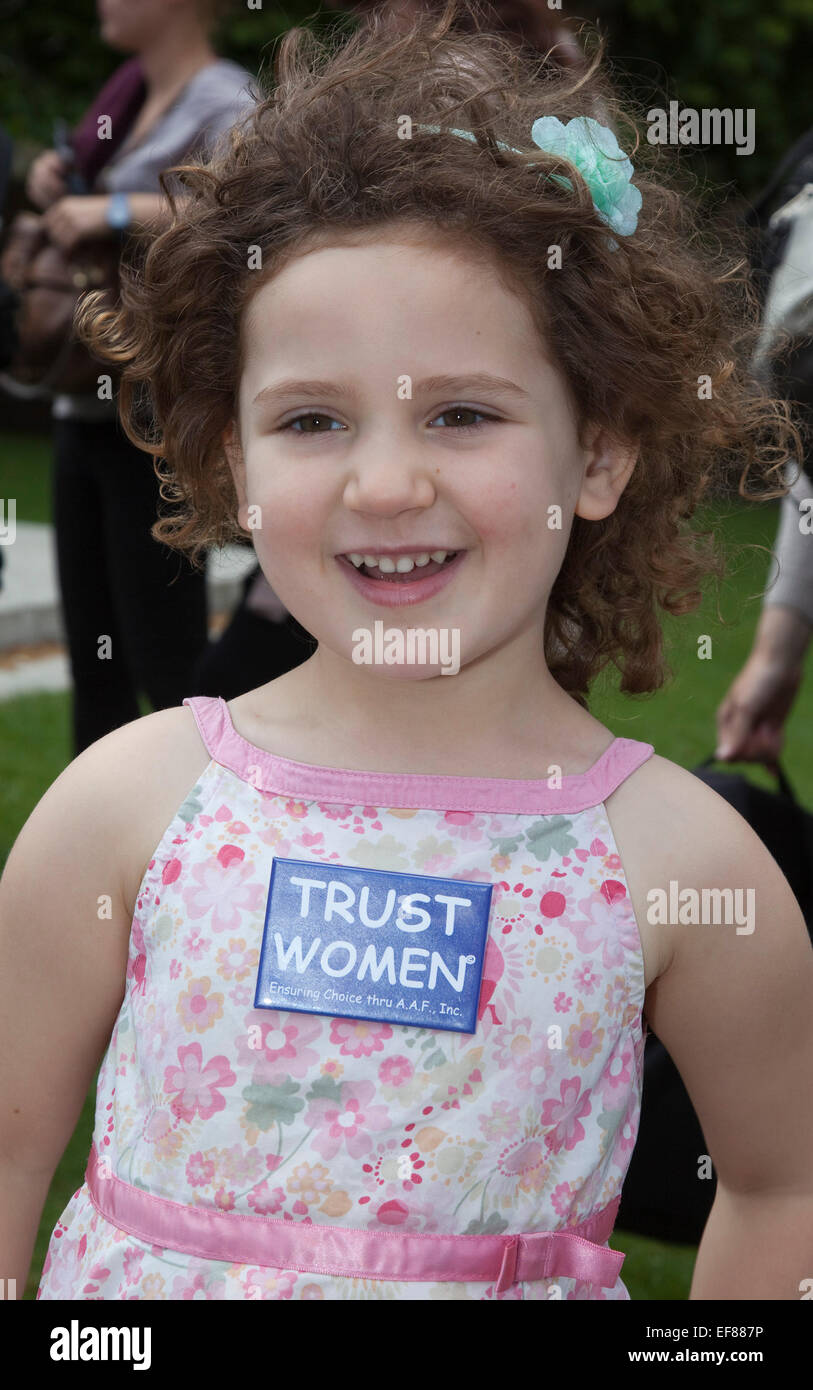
(32,653)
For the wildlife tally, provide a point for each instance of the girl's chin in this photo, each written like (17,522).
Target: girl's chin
(402,674)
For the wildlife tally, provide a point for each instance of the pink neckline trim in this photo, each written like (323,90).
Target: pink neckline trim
(269,772)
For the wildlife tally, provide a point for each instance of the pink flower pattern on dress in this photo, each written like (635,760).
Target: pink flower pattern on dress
(196,1088)
(527,1124)
(565,1116)
(198,1008)
(395,1071)
(348,1120)
(614,1085)
(222,893)
(358,1038)
(266,1200)
(199,1171)
(275,1044)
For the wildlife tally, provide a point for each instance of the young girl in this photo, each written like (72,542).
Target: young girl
(378,942)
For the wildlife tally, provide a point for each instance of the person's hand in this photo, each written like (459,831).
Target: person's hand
(46,179)
(751,717)
(73,219)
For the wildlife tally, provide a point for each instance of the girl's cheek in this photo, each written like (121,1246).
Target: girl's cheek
(283,504)
(504,513)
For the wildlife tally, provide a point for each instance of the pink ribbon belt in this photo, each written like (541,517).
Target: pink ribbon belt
(243,1238)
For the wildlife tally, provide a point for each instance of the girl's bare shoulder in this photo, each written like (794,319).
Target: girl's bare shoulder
(159,759)
(672,828)
(119,795)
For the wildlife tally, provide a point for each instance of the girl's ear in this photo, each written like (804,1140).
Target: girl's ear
(609,463)
(233,450)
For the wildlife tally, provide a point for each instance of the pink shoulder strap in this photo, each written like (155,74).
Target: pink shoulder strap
(432,791)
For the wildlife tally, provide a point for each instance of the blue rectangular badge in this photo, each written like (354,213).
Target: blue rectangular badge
(370,944)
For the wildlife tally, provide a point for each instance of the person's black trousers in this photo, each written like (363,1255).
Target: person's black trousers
(134,611)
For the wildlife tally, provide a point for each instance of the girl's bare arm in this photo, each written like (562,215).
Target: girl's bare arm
(735,1011)
(64,933)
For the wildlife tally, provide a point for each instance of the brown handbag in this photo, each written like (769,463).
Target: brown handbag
(49,284)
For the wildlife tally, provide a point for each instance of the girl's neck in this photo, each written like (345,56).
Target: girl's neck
(331,713)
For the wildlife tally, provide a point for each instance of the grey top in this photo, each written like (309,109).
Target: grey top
(793,552)
(217,97)
(788,306)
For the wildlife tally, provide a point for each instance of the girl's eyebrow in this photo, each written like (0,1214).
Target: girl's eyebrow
(291,388)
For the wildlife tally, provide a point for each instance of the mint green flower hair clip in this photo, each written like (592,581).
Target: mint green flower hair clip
(594,150)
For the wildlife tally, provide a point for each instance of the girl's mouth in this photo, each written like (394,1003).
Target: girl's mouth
(393,580)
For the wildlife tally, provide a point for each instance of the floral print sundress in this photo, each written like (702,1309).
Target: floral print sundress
(526,1125)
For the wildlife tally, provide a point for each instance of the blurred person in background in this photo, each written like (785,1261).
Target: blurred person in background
(7,307)
(753,713)
(174,97)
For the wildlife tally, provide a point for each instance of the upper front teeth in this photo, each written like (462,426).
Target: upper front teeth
(401,565)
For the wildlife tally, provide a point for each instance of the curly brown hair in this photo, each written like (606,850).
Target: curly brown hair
(634,328)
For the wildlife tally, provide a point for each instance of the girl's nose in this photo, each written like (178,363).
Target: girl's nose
(388,481)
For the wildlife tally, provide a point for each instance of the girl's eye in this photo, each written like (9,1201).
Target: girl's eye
(453,410)
(465,410)
(312,415)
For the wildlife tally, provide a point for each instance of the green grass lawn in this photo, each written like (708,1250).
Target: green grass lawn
(678,720)
(26,474)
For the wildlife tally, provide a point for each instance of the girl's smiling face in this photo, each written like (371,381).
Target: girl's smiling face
(379,459)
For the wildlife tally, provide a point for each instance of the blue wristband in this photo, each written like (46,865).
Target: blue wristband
(119,214)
